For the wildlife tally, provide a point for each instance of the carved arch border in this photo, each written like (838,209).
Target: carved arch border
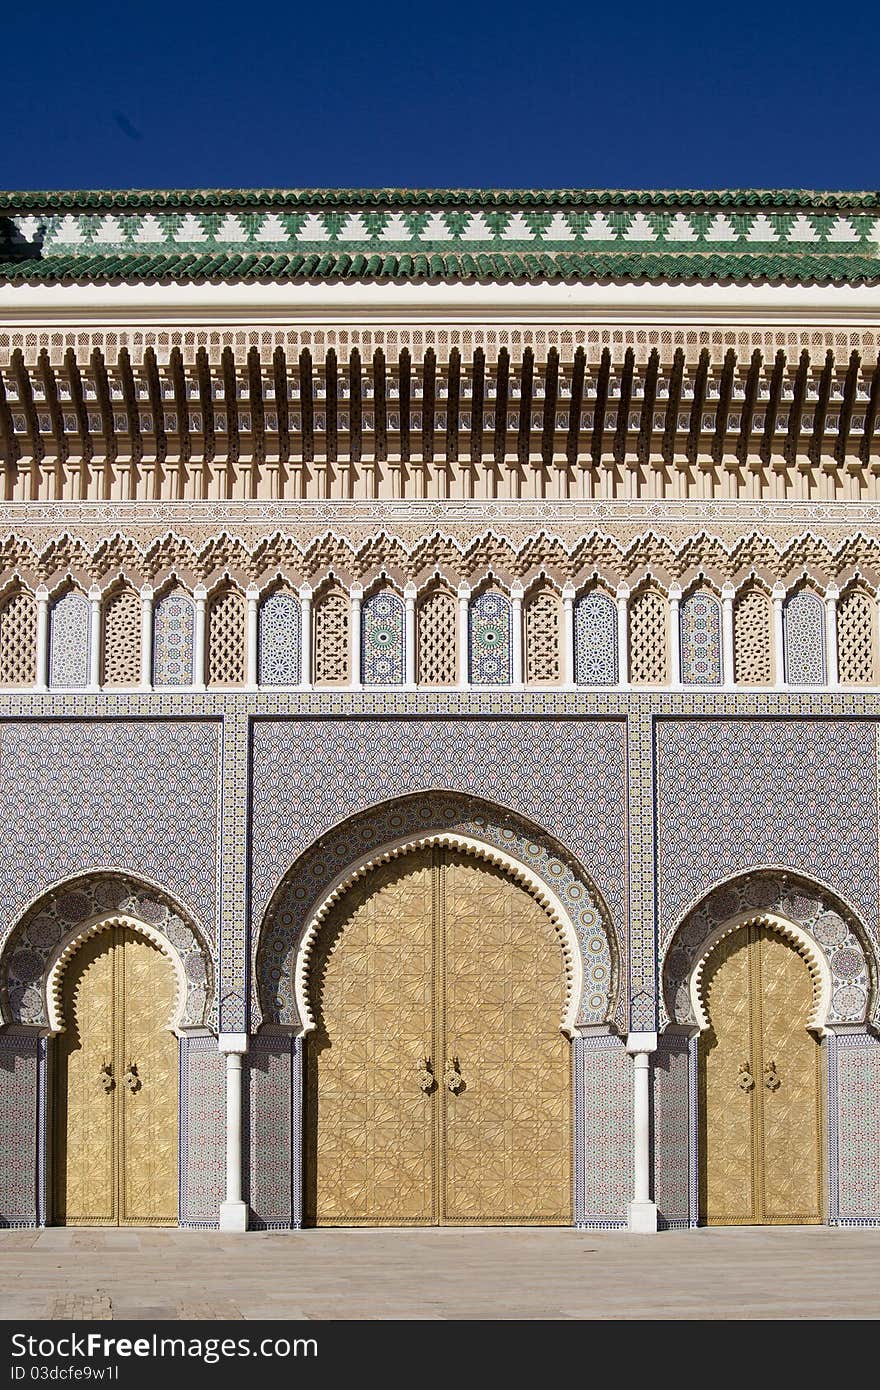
(804,944)
(56,920)
(571,952)
(341,857)
(64,954)
(838,947)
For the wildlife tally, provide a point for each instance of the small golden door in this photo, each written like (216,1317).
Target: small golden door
(116,1086)
(760,1086)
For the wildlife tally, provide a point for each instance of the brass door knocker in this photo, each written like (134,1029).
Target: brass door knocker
(452,1077)
(745,1080)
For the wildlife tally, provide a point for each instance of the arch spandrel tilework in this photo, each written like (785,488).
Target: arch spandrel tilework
(173,624)
(280,642)
(804,621)
(595,639)
(735,794)
(382,639)
(700,624)
(788,898)
(489,639)
(566,774)
(64,912)
(138,796)
(411,820)
(69,641)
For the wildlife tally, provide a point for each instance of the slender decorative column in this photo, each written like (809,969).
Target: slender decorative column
(622,598)
(516,635)
(778,597)
(727,595)
(305,655)
(642,1212)
(42,681)
(568,635)
(252,594)
(233,1211)
(94,638)
(200,595)
(357,598)
(832,675)
(675,635)
(147,637)
(464,598)
(409,636)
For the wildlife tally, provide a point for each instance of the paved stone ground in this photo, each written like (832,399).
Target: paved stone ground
(795,1272)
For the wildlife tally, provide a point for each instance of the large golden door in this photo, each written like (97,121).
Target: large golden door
(760,1086)
(116,1127)
(438,1081)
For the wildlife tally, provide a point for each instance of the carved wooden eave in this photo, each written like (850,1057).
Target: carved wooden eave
(395,425)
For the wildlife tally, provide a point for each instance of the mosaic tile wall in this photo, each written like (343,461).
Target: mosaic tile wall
(20,1130)
(675,1178)
(856,1071)
(280,625)
(140,796)
(568,775)
(604,1120)
(202,1131)
(737,793)
(269,1069)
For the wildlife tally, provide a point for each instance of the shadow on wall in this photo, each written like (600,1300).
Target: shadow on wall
(14,247)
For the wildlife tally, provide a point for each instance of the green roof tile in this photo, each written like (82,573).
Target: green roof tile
(785,235)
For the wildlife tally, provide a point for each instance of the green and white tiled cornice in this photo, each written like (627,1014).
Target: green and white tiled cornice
(400,234)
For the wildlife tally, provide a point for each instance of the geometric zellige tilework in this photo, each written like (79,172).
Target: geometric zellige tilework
(734,794)
(134,795)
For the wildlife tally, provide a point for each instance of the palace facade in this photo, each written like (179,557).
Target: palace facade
(439,708)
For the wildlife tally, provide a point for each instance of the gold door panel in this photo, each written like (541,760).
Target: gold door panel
(790,1088)
(760,1086)
(507,1133)
(116,1086)
(148,1090)
(85,1111)
(728,1089)
(438,1082)
(369,1158)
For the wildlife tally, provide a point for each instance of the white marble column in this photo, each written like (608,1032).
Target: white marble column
(305,653)
(568,636)
(409,636)
(516,635)
(727,597)
(42,681)
(642,1211)
(94,638)
(233,1211)
(622,600)
(675,635)
(200,597)
(464,598)
(778,598)
(357,598)
(252,594)
(147,637)
(832,675)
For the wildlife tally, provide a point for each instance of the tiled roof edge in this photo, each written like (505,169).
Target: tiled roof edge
(169,199)
(188,267)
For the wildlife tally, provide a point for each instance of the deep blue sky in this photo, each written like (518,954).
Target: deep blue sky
(587,94)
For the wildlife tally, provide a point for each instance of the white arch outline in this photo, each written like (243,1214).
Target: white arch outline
(65,952)
(804,944)
(478,849)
